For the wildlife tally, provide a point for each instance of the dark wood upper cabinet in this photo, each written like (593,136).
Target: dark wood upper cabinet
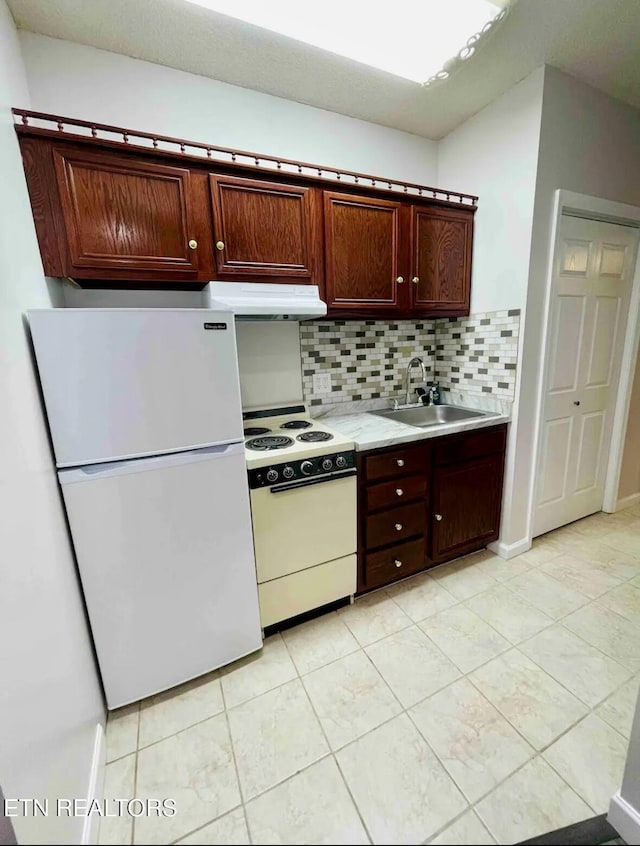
(127,217)
(441,260)
(264,229)
(364,251)
(114,211)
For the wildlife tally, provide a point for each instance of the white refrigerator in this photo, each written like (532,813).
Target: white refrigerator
(145,418)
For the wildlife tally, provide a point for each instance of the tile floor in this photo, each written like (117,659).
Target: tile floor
(488,701)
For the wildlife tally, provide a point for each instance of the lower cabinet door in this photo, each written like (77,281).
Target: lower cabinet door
(466,506)
(393,563)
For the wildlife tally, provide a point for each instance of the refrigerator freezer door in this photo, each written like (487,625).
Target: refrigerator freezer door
(165,553)
(131,382)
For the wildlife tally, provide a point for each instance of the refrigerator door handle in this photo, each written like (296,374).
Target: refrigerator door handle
(141,465)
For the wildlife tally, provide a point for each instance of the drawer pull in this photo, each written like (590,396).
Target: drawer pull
(399,492)
(438,517)
(398,527)
(400,462)
(398,563)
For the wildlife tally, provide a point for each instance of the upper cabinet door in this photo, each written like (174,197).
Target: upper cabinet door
(363,253)
(264,229)
(127,218)
(441,260)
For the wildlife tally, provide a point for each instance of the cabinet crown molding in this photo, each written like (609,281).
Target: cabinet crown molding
(29,122)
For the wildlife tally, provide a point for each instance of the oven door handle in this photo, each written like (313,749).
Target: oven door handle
(305,483)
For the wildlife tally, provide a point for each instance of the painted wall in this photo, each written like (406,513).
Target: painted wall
(588,144)
(494,154)
(78,81)
(630,471)
(50,698)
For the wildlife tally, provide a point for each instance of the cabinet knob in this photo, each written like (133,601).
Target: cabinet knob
(415,280)
(400,462)
(398,527)
(438,517)
(193,244)
(398,563)
(399,279)
(220,245)
(399,492)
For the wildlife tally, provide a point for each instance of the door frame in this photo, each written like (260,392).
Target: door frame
(606,211)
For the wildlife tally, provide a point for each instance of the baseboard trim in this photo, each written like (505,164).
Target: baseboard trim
(627,501)
(510,550)
(625,819)
(96,786)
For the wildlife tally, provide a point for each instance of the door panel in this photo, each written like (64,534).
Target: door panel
(590,295)
(467,498)
(125,215)
(363,253)
(605,332)
(568,327)
(263,228)
(441,260)
(589,449)
(555,451)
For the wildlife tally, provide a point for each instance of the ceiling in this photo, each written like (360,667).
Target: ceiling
(594,40)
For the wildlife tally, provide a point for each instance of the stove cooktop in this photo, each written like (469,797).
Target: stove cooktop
(254,431)
(267,444)
(315,436)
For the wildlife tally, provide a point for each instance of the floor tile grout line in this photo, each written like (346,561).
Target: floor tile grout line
(235,764)
(468,810)
(563,684)
(534,751)
(135,770)
(515,772)
(331,751)
(210,822)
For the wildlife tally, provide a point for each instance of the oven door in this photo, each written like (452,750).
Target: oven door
(302,524)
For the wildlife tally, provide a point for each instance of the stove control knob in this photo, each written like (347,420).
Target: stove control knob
(341,462)
(288,472)
(306,467)
(327,464)
(272,475)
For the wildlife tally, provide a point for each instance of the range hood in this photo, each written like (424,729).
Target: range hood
(264,301)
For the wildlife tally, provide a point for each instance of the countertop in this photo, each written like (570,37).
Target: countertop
(368,431)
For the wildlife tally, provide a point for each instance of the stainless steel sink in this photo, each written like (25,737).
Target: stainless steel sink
(431,415)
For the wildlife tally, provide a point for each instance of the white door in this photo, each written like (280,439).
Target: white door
(165,554)
(120,383)
(590,294)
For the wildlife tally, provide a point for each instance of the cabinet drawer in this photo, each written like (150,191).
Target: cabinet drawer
(473,445)
(390,494)
(396,524)
(393,563)
(400,462)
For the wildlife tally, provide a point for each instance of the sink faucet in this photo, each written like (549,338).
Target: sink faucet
(416,360)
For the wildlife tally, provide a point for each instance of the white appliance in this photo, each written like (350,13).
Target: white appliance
(302,478)
(145,417)
(263,300)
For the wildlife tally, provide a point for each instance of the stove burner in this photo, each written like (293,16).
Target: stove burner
(296,424)
(269,442)
(252,431)
(315,436)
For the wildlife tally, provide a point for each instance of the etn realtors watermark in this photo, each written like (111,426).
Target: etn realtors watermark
(89,808)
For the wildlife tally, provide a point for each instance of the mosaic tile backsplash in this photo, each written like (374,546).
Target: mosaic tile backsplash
(368,359)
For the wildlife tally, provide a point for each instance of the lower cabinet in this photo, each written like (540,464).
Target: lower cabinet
(428,502)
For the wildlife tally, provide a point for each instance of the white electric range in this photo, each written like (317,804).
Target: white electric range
(302,481)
